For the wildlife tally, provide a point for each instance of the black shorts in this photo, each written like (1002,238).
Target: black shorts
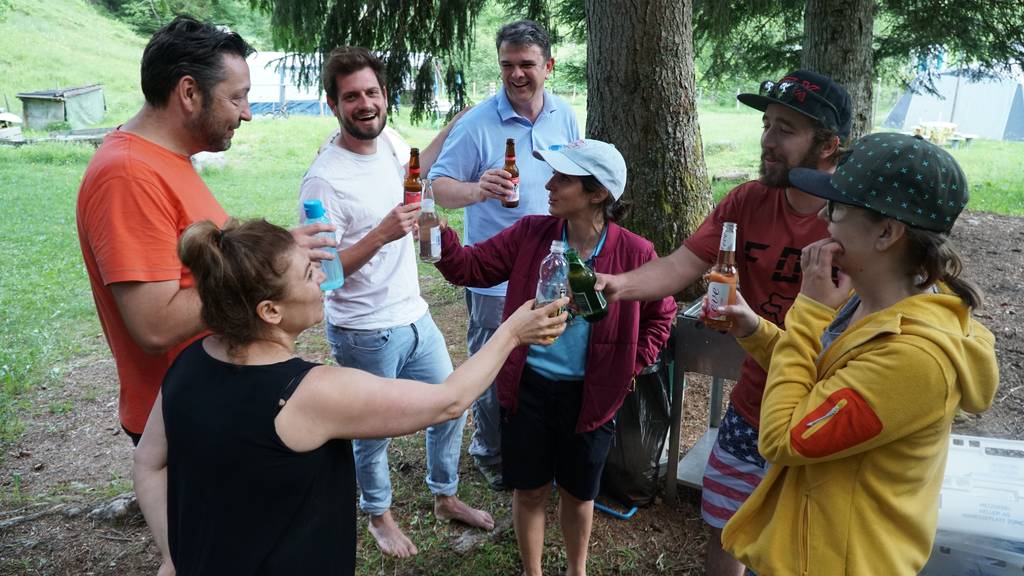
(539,442)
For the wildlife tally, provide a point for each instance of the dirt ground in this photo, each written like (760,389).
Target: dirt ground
(74,457)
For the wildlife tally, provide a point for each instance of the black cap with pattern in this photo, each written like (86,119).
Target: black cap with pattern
(898,176)
(814,95)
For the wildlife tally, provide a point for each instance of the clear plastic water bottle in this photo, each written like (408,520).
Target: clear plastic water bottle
(332,268)
(553,282)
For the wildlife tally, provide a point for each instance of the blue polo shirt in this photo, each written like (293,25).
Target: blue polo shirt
(477,143)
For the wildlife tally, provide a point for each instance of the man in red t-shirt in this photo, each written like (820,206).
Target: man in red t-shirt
(806,123)
(140,192)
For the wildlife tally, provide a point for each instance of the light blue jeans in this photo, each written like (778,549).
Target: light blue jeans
(484,318)
(417,352)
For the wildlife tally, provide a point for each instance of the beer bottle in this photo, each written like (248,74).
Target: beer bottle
(430,226)
(589,302)
(722,280)
(512,200)
(413,186)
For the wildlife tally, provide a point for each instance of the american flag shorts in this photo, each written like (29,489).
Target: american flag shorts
(734,469)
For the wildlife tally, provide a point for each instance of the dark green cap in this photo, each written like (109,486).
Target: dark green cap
(899,176)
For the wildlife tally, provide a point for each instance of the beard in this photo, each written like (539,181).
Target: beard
(352,128)
(208,130)
(778,176)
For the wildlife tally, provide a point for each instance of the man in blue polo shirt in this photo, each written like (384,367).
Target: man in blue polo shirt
(469,174)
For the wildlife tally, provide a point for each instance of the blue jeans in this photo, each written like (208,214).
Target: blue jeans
(417,352)
(484,318)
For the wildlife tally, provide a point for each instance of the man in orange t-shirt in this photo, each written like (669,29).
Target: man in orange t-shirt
(140,192)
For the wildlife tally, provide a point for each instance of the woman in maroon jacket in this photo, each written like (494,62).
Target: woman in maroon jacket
(558,402)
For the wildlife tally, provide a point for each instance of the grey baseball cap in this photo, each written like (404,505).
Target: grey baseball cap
(588,158)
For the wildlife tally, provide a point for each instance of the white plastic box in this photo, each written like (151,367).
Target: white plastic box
(981,510)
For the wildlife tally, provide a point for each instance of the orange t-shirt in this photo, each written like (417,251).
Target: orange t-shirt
(135,200)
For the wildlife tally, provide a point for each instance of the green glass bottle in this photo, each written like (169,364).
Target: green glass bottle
(589,302)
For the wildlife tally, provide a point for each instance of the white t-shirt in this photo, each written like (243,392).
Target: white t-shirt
(357,192)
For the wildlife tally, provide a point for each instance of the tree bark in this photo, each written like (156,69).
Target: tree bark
(837,43)
(641,97)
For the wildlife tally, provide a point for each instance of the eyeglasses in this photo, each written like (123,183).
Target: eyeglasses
(830,208)
(790,91)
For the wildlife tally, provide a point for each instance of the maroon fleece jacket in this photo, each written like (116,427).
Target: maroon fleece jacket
(622,344)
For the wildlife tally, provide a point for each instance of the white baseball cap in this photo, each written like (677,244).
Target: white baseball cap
(588,158)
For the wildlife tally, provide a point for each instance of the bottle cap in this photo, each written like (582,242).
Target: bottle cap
(313,209)
(557,247)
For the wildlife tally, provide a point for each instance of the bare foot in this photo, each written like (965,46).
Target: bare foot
(451,508)
(390,538)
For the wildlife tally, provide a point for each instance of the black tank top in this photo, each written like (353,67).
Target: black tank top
(238,500)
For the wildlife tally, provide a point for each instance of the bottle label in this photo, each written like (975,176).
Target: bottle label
(547,294)
(718,295)
(435,242)
(728,243)
(583,303)
(515,190)
(427,205)
(413,196)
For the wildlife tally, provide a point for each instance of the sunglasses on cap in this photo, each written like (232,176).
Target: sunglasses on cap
(791,91)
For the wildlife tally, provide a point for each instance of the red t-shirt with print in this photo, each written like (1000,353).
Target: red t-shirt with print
(770,235)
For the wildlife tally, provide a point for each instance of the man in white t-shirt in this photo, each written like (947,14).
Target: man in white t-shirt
(377,321)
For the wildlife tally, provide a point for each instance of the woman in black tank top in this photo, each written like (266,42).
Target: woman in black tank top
(245,466)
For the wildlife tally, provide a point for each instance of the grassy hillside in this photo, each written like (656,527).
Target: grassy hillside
(48,44)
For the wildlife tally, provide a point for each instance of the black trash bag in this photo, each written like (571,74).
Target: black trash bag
(631,470)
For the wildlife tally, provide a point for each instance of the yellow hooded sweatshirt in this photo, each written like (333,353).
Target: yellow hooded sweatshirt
(857,439)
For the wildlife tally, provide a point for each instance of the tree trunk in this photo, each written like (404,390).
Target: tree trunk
(641,97)
(837,43)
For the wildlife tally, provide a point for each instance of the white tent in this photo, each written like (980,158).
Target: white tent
(275,87)
(991,108)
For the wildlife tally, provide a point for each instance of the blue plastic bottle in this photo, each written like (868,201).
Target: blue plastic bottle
(332,268)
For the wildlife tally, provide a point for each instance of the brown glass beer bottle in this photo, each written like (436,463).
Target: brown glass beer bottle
(413,186)
(512,200)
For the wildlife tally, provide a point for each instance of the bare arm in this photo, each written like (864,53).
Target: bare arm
(429,154)
(396,224)
(399,222)
(493,184)
(344,403)
(158,315)
(656,279)
(150,473)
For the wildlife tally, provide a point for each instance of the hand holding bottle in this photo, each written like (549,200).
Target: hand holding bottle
(537,326)
(743,319)
(310,237)
(398,222)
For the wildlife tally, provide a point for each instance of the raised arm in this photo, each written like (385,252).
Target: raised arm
(429,154)
(494,184)
(345,403)
(399,222)
(656,279)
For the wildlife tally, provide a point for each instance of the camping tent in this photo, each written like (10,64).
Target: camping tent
(991,108)
(275,87)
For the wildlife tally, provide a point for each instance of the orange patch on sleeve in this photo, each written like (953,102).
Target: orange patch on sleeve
(843,421)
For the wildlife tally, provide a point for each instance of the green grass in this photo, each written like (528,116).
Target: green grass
(63,43)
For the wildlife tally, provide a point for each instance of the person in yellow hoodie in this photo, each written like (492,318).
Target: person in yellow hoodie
(862,389)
